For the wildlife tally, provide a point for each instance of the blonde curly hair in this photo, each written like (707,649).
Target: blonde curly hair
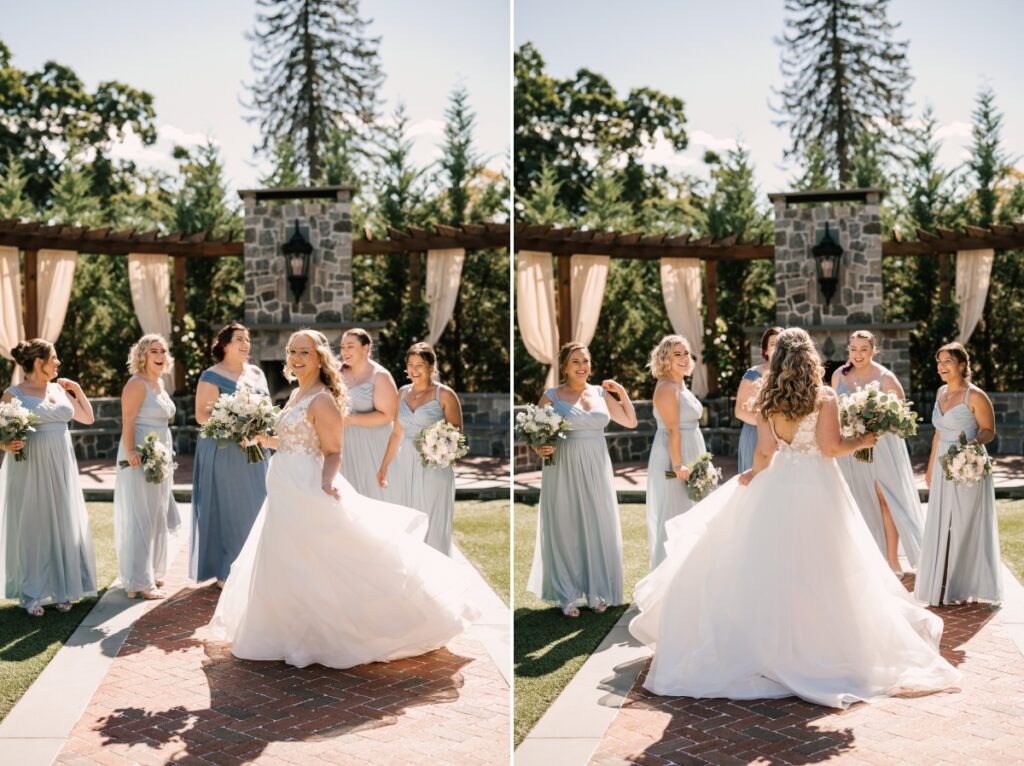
(793,384)
(330,367)
(660,360)
(137,353)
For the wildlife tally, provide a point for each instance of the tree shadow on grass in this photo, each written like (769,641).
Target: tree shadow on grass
(253,704)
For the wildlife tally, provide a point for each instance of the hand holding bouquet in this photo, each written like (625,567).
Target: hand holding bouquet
(966,463)
(16,422)
(440,445)
(239,418)
(871,410)
(541,427)
(157,459)
(704,477)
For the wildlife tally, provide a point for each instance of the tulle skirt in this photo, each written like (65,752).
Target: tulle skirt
(338,583)
(778,588)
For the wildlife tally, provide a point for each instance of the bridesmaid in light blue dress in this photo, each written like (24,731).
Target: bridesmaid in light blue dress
(46,552)
(960,550)
(578,553)
(227,490)
(884,489)
(745,396)
(430,490)
(144,513)
(677,441)
(372,403)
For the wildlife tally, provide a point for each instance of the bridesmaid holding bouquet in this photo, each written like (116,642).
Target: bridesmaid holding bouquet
(46,551)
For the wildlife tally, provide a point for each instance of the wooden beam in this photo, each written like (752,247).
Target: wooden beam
(711,314)
(179,319)
(564,307)
(31,294)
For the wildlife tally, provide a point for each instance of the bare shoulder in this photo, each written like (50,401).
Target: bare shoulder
(323,405)
(974,389)
(447,394)
(135,386)
(836,373)
(826,394)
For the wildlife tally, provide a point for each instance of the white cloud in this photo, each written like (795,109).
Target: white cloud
(158,154)
(691,160)
(958,129)
(425,128)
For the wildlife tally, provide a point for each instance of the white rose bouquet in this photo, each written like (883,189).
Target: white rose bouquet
(157,459)
(966,463)
(16,422)
(541,427)
(704,477)
(871,410)
(440,445)
(239,418)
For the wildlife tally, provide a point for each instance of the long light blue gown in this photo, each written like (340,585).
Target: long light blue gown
(430,490)
(748,434)
(961,537)
(667,498)
(227,493)
(46,551)
(579,538)
(364,446)
(892,472)
(144,513)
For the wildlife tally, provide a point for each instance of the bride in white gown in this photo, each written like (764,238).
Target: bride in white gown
(774,586)
(328,575)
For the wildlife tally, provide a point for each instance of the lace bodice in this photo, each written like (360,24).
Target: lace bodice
(295,433)
(805,440)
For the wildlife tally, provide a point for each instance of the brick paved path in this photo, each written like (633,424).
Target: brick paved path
(170,696)
(982,724)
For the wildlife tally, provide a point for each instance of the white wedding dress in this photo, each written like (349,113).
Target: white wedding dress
(341,583)
(777,589)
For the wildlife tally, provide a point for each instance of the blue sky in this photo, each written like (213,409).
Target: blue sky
(719,57)
(193,57)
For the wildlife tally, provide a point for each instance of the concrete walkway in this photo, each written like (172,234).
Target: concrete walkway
(605,717)
(138,683)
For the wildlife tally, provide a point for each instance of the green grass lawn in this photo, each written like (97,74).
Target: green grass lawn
(27,644)
(481,531)
(550,647)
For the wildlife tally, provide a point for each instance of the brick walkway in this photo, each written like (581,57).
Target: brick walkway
(170,696)
(982,724)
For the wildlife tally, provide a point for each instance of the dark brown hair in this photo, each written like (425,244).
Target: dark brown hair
(224,338)
(27,351)
(959,353)
(563,356)
(766,336)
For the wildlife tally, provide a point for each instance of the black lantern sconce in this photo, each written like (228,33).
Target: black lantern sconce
(828,256)
(296,256)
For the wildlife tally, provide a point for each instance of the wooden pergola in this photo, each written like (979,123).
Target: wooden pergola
(31,237)
(942,243)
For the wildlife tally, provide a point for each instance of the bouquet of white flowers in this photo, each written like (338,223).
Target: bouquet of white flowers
(704,477)
(541,427)
(15,424)
(239,418)
(871,410)
(440,445)
(965,463)
(157,459)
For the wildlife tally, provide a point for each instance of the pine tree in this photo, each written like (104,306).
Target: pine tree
(13,201)
(844,72)
(316,69)
(284,172)
(459,162)
(72,202)
(542,206)
(989,164)
(603,205)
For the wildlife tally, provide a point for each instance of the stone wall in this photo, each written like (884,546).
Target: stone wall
(722,431)
(486,419)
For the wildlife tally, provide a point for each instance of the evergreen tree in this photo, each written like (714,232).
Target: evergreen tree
(284,172)
(13,201)
(316,70)
(843,71)
(816,174)
(541,206)
(73,204)
(989,164)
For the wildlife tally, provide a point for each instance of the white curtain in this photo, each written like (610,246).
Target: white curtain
(56,275)
(973,270)
(589,273)
(444,272)
(682,293)
(535,309)
(12,327)
(150,280)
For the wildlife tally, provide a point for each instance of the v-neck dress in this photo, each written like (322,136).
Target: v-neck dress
(363,447)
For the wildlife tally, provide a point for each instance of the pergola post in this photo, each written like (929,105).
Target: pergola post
(945,277)
(711,318)
(31,294)
(415,277)
(179,318)
(564,307)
